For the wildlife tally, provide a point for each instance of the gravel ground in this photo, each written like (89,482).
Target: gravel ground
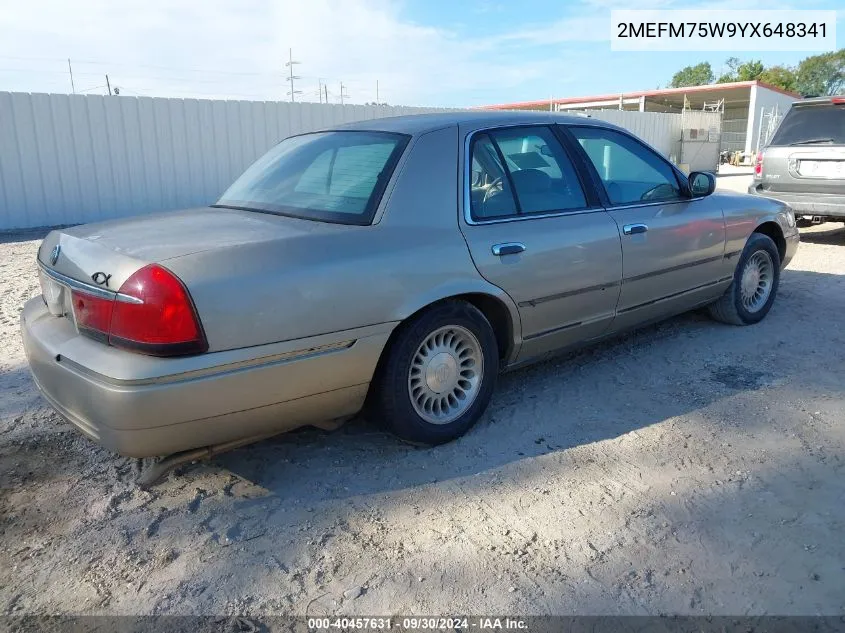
(688,468)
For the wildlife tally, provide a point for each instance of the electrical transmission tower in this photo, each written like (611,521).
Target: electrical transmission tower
(291,77)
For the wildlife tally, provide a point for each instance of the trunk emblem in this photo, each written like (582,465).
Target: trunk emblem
(101,279)
(54,256)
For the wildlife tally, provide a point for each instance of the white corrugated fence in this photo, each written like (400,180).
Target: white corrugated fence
(67,159)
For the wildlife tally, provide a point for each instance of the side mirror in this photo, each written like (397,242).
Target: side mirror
(701,183)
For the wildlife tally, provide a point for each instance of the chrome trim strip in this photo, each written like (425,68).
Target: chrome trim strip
(674,295)
(663,271)
(252,363)
(83,287)
(637,205)
(467,182)
(569,293)
(553,330)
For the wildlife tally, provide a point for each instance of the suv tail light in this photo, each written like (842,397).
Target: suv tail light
(152,314)
(758,166)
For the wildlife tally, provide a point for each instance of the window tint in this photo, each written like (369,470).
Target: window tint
(536,167)
(630,172)
(491,195)
(541,172)
(806,124)
(328,176)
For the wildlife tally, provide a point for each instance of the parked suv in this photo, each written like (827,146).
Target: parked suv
(804,164)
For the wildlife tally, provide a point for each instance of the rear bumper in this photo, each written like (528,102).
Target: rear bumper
(154,406)
(805,203)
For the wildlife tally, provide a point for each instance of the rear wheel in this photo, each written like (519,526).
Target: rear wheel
(752,292)
(438,375)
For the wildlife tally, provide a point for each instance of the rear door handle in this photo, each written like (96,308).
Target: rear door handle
(508,248)
(633,229)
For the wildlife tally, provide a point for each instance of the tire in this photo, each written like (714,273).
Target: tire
(406,368)
(731,308)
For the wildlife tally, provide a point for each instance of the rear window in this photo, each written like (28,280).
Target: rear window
(807,124)
(326,176)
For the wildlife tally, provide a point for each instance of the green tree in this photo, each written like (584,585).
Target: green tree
(780,77)
(741,71)
(821,74)
(727,77)
(697,75)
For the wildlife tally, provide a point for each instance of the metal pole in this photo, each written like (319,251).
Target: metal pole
(70,70)
(290,63)
(759,131)
(108,85)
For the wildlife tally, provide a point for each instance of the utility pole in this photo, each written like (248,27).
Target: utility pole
(108,85)
(320,90)
(70,70)
(290,64)
(326,91)
(377,100)
(342,95)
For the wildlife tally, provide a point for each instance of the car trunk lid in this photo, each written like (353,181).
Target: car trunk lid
(101,257)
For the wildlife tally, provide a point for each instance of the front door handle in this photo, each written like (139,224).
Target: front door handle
(508,248)
(633,229)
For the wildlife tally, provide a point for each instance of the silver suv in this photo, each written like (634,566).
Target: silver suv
(804,164)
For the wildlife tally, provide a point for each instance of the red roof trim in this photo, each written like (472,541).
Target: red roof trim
(643,93)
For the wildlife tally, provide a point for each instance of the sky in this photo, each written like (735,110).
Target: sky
(419,52)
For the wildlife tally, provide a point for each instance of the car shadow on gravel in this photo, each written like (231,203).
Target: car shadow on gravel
(833,236)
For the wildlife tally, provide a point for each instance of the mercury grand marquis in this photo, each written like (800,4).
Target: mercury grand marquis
(396,265)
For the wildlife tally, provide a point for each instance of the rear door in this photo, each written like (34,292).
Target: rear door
(807,153)
(672,246)
(536,232)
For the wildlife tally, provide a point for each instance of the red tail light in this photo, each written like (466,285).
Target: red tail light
(153,314)
(93,314)
(758,165)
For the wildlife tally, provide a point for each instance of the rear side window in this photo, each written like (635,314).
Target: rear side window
(327,176)
(812,124)
(522,171)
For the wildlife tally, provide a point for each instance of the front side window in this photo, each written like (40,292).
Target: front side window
(629,171)
(327,176)
(522,171)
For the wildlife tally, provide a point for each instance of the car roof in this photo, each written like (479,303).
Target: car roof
(421,123)
(818,100)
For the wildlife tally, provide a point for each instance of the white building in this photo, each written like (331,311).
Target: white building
(750,109)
